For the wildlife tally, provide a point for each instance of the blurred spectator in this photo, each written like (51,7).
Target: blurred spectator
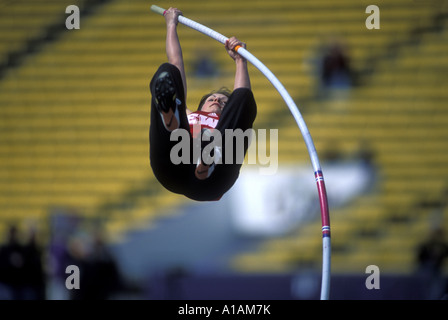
(34,273)
(431,255)
(335,72)
(173,278)
(433,252)
(204,66)
(21,270)
(100,278)
(12,264)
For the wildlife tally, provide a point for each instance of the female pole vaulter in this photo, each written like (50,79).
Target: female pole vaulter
(206,178)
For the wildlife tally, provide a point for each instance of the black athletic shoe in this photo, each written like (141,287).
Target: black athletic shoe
(166,101)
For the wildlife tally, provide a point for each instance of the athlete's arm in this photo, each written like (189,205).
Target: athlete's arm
(242,79)
(173,48)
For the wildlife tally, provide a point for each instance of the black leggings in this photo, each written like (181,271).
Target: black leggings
(239,113)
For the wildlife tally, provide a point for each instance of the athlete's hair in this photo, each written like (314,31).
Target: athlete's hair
(223,90)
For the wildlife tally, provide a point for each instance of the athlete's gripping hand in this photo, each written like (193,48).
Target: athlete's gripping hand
(171,16)
(231,44)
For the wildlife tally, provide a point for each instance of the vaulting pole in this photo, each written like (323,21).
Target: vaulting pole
(318,175)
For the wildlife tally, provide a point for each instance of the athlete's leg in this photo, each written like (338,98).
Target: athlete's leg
(167,79)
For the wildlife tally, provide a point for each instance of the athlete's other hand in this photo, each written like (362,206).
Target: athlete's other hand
(171,16)
(231,44)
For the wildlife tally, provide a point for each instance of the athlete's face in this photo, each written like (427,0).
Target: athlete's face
(215,103)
